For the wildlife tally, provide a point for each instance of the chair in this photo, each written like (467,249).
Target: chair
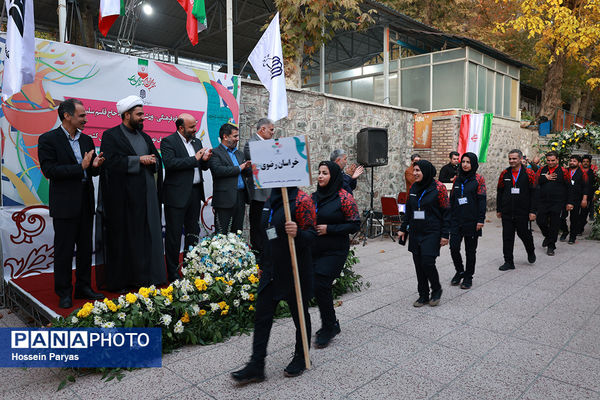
(391,216)
(402,197)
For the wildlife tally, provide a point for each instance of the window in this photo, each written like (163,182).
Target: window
(448,55)
(481,87)
(448,85)
(499,90)
(363,88)
(415,88)
(472,84)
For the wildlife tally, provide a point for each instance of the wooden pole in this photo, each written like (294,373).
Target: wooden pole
(288,217)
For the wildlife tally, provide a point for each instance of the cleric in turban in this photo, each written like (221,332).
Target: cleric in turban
(130,186)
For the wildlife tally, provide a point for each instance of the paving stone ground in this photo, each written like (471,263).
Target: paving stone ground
(532,333)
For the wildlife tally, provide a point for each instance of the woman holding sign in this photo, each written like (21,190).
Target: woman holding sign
(468,205)
(427,220)
(337,217)
(276,280)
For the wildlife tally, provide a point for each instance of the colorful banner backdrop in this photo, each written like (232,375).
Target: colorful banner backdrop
(100,79)
(280,162)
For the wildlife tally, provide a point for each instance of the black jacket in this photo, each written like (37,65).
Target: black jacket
(513,204)
(465,217)
(448,172)
(578,186)
(179,170)
(425,235)
(340,214)
(65,174)
(553,194)
(225,177)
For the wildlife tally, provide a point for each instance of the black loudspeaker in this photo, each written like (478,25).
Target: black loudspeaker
(372,147)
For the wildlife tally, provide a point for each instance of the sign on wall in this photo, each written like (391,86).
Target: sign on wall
(424,126)
(280,162)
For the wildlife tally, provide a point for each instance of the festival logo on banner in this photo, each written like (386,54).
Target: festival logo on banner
(142,79)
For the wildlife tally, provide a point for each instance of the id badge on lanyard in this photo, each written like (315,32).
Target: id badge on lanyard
(515,190)
(418,214)
(271,231)
(462,200)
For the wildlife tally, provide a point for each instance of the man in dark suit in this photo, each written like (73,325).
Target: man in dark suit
(67,158)
(183,190)
(264,131)
(230,171)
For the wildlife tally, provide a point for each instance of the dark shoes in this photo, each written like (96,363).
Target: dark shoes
(550,251)
(466,283)
(88,293)
(252,372)
(572,241)
(506,266)
(545,242)
(296,367)
(65,302)
(563,237)
(531,257)
(456,279)
(435,298)
(325,334)
(421,301)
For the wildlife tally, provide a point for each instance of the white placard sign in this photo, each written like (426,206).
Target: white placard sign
(280,162)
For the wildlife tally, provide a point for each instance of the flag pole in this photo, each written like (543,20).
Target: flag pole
(288,217)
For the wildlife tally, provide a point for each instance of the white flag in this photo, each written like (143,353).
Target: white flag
(19,54)
(267,61)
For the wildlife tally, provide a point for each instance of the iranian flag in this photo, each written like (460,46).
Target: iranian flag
(475,135)
(196,18)
(109,12)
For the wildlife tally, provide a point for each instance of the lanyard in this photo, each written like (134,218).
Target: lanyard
(270,217)
(419,201)
(513,177)
(462,188)
(572,172)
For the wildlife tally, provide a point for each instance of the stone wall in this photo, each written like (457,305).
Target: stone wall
(332,122)
(505,136)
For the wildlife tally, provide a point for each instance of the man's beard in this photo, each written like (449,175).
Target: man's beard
(137,125)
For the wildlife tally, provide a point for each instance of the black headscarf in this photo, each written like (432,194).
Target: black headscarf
(329,191)
(429,173)
(465,175)
(276,198)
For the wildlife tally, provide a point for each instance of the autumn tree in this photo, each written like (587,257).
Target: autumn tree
(564,30)
(307,24)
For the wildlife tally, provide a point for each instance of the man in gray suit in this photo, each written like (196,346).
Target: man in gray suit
(264,131)
(231,172)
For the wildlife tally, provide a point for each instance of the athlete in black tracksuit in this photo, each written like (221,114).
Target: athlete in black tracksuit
(553,185)
(516,204)
(578,190)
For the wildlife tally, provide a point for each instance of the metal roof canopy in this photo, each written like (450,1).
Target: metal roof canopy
(165,29)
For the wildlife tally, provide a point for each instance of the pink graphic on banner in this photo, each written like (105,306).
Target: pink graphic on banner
(159,121)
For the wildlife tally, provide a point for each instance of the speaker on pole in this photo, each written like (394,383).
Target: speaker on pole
(372,147)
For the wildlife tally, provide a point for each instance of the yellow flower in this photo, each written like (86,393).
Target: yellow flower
(229,283)
(575,134)
(252,278)
(220,278)
(85,310)
(225,311)
(251,297)
(167,292)
(185,318)
(222,305)
(598,192)
(553,148)
(554,144)
(200,284)
(144,291)
(131,298)
(202,312)
(564,141)
(251,308)
(111,305)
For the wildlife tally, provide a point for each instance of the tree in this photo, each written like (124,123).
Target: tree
(563,30)
(307,24)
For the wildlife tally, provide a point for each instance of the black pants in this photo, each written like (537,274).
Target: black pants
(520,225)
(426,274)
(548,220)
(68,233)
(231,219)
(256,234)
(324,296)
(263,321)
(176,219)
(574,220)
(470,253)
(583,217)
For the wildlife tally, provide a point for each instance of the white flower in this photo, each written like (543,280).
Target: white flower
(236,303)
(98,321)
(108,324)
(149,304)
(246,287)
(167,301)
(74,320)
(228,289)
(185,297)
(334,281)
(195,309)
(121,316)
(214,307)
(205,296)
(178,328)
(165,319)
(341,274)
(244,295)
(122,302)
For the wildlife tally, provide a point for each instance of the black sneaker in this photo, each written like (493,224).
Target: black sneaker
(550,251)
(435,298)
(466,283)
(252,372)
(296,367)
(421,301)
(456,279)
(563,237)
(545,242)
(572,241)
(506,266)
(324,335)
(531,257)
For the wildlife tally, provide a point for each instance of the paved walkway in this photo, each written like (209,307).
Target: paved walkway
(531,333)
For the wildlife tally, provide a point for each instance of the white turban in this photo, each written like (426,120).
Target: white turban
(128,103)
